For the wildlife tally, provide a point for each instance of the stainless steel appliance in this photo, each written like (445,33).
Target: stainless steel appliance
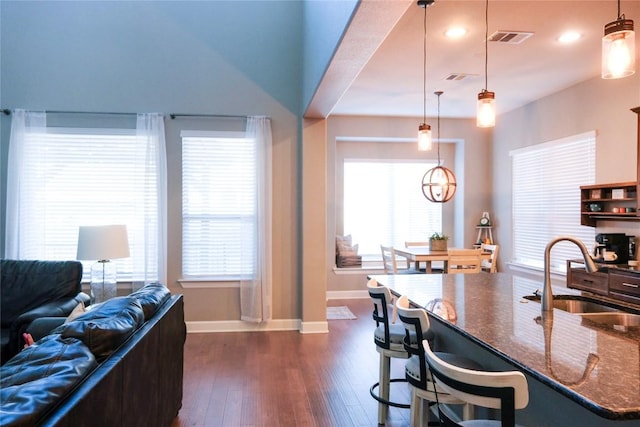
(614,242)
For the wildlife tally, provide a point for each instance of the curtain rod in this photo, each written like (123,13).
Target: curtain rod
(7,112)
(224,116)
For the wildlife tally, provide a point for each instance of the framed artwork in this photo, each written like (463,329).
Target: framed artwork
(596,194)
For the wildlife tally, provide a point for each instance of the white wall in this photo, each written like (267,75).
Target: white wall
(596,104)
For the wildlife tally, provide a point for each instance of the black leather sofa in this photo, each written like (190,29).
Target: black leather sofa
(118,364)
(33,289)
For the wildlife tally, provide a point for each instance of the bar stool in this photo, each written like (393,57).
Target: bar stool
(389,339)
(506,391)
(423,391)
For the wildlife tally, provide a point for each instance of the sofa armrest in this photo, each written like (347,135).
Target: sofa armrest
(58,308)
(42,326)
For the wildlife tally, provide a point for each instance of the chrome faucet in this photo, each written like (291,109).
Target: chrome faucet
(547,293)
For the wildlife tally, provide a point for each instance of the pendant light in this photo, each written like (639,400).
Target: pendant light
(486,110)
(439,183)
(425,141)
(618,48)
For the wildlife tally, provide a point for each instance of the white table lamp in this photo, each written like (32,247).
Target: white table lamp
(103,243)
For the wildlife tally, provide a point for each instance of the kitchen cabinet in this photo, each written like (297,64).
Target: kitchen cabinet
(579,278)
(618,201)
(625,286)
(618,282)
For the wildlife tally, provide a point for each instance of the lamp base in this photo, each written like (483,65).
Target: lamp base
(103,281)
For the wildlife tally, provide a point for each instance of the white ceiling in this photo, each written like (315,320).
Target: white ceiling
(390,80)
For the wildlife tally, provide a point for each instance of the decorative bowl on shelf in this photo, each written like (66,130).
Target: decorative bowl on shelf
(595,207)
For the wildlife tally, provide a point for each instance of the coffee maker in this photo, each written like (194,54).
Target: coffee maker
(613,242)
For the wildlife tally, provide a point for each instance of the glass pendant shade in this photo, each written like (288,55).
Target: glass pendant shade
(618,49)
(425,141)
(486,112)
(439,184)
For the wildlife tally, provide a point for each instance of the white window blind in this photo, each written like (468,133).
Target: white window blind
(546,199)
(74,177)
(218,204)
(384,204)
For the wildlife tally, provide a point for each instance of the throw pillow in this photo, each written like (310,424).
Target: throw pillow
(343,243)
(77,311)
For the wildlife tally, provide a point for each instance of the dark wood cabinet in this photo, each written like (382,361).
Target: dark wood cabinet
(579,278)
(618,201)
(637,111)
(625,286)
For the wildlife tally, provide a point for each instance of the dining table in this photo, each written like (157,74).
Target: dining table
(419,254)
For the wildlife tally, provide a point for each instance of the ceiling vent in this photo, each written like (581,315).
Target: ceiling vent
(458,76)
(510,37)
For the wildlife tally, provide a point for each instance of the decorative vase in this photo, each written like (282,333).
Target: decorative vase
(438,245)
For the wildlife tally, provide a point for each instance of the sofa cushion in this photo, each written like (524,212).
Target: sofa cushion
(37,378)
(30,284)
(106,326)
(150,297)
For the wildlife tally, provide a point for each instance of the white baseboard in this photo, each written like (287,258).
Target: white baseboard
(354,294)
(314,327)
(240,326)
(320,327)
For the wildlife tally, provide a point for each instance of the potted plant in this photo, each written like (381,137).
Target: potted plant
(438,242)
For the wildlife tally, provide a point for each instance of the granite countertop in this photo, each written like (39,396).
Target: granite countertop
(596,365)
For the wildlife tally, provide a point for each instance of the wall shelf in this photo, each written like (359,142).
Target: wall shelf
(620,208)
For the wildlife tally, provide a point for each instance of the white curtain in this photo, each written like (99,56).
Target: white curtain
(255,291)
(33,222)
(22,123)
(152,154)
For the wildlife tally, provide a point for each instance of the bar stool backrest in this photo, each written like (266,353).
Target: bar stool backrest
(415,323)
(382,301)
(506,391)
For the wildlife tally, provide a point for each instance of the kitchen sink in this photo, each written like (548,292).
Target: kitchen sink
(617,320)
(576,304)
(593,311)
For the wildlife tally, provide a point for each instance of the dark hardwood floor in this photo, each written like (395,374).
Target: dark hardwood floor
(287,378)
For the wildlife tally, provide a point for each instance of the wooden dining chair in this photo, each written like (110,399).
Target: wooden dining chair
(490,265)
(389,260)
(464,261)
(415,245)
(390,263)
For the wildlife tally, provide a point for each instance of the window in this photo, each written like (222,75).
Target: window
(219,179)
(546,198)
(384,204)
(70,177)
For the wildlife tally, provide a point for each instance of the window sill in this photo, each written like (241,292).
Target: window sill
(358,270)
(208,283)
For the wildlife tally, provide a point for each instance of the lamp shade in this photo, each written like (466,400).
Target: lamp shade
(102,242)
(425,141)
(486,109)
(618,49)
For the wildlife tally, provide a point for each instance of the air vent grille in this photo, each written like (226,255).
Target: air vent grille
(510,37)
(458,76)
